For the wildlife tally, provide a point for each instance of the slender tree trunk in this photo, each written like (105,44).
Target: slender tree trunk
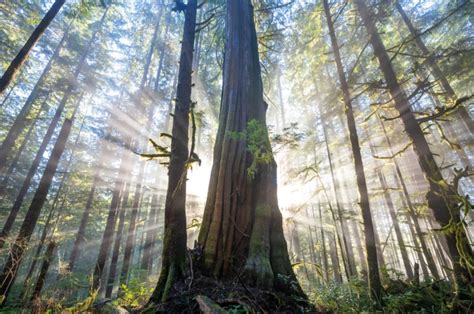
(81,233)
(150,230)
(439,246)
(174,243)
(295,240)
(21,119)
(155,263)
(49,133)
(411,209)
(52,211)
(396,226)
(435,70)
(323,245)
(280,99)
(7,96)
(445,211)
(26,230)
(360,251)
(162,54)
(108,235)
(392,212)
(118,242)
(311,240)
(31,172)
(336,268)
(44,270)
(128,253)
(151,50)
(349,265)
(375,285)
(11,168)
(417,248)
(22,55)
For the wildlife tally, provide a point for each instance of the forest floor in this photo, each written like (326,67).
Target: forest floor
(201,294)
(207,295)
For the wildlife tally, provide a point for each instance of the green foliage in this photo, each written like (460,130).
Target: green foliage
(256,139)
(85,305)
(290,138)
(400,296)
(134,294)
(238,309)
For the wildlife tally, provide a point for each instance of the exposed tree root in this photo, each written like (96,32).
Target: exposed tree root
(217,297)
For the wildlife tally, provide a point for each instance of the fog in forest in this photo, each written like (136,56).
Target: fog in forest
(236,156)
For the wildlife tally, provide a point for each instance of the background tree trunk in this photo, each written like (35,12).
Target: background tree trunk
(15,256)
(44,270)
(375,285)
(49,133)
(22,55)
(21,119)
(444,211)
(435,70)
(108,235)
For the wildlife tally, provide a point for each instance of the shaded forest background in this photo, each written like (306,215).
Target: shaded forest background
(106,73)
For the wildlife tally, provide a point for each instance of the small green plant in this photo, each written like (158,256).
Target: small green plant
(256,138)
(134,294)
(238,309)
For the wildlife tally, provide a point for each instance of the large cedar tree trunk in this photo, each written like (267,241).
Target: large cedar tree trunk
(242,225)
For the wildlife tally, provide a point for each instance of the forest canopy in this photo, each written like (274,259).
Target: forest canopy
(236,156)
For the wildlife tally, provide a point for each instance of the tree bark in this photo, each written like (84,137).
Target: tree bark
(31,172)
(323,245)
(435,70)
(118,242)
(44,270)
(81,233)
(411,209)
(375,285)
(21,119)
(22,55)
(49,133)
(242,224)
(26,230)
(342,240)
(129,246)
(52,212)
(445,211)
(108,235)
(8,175)
(173,266)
